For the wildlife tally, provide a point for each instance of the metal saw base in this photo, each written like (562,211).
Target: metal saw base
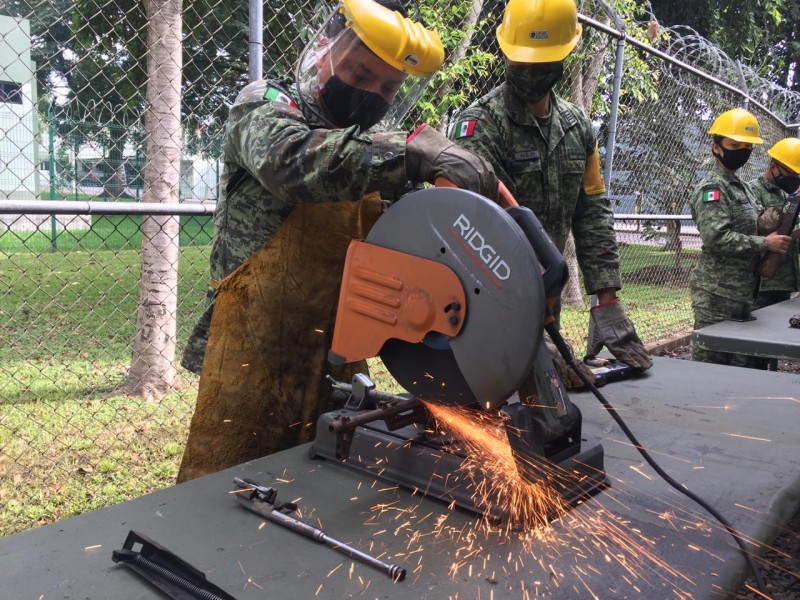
(409,457)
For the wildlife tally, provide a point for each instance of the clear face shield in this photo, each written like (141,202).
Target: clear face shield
(342,82)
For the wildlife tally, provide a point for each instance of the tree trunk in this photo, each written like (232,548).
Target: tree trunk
(469,25)
(677,267)
(673,241)
(571,294)
(153,364)
(583,77)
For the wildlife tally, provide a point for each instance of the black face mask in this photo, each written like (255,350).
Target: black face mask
(534,82)
(734,159)
(350,105)
(788,183)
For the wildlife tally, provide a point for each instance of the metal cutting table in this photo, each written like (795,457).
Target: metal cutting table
(729,434)
(769,335)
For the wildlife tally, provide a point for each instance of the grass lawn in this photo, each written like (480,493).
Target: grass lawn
(69,442)
(62,457)
(108,232)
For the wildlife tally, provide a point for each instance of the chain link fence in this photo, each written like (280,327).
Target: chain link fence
(72,115)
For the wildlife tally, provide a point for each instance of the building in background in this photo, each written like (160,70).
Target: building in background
(19,151)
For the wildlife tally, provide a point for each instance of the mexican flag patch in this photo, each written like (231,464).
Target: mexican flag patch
(273,94)
(465,129)
(711,196)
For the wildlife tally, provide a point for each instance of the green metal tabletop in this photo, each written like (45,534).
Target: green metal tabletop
(730,435)
(769,335)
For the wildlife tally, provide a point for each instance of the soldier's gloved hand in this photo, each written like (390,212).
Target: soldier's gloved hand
(768,220)
(567,376)
(609,326)
(430,155)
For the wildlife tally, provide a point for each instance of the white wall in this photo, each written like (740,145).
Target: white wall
(19,176)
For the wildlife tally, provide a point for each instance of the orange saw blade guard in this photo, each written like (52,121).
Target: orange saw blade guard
(387,294)
(504,196)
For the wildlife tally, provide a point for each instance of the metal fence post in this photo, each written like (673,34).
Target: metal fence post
(52,164)
(615,93)
(74,156)
(612,124)
(256,39)
(743,84)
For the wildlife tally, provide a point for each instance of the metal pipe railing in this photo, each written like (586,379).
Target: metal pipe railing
(78,207)
(641,217)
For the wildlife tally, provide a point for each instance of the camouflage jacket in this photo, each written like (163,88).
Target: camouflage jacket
(274,158)
(726,212)
(787,277)
(558,178)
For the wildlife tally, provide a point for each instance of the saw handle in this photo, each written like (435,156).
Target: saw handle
(504,197)
(554,267)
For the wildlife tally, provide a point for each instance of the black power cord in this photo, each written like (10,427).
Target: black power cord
(566,353)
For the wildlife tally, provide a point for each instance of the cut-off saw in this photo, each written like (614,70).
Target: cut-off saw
(452,292)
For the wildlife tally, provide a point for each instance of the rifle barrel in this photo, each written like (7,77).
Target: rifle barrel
(769,264)
(267,511)
(378,414)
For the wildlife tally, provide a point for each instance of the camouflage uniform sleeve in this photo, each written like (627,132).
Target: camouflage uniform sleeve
(767,197)
(298,164)
(593,226)
(755,190)
(485,138)
(715,222)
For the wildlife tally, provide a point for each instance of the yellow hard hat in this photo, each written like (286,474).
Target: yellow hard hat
(787,152)
(538,31)
(398,41)
(737,124)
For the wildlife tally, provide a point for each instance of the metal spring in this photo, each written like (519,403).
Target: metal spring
(174,578)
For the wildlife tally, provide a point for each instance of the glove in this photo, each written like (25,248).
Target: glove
(567,376)
(768,220)
(609,326)
(430,155)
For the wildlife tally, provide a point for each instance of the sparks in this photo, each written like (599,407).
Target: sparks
(747,437)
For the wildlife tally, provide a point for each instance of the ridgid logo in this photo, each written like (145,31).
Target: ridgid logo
(482,252)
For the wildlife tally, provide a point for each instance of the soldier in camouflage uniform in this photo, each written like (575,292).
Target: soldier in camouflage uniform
(723,284)
(302,170)
(545,150)
(781,177)
(283,147)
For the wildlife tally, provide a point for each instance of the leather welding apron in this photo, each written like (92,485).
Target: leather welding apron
(263,385)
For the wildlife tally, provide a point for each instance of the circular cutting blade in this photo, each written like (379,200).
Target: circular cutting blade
(505,308)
